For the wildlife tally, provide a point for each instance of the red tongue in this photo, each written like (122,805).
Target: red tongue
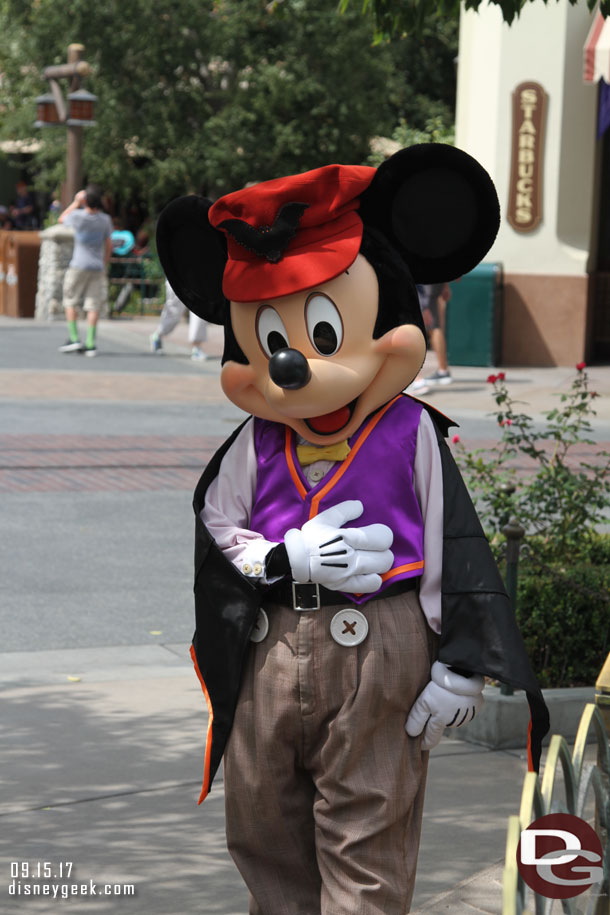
(330,422)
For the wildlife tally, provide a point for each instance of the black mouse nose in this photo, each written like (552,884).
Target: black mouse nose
(289,369)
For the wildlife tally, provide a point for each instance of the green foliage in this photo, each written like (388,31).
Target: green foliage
(563,610)
(422,93)
(538,476)
(434,131)
(200,95)
(427,60)
(306,89)
(563,497)
(393,17)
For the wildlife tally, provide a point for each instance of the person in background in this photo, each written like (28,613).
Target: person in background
(23,210)
(171,314)
(123,241)
(149,291)
(85,280)
(53,211)
(6,222)
(433,300)
(142,246)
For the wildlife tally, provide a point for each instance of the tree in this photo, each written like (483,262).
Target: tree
(427,60)
(199,95)
(395,16)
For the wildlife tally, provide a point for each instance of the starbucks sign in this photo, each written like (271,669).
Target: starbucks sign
(524,211)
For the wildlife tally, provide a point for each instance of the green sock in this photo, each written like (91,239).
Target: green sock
(90,341)
(73,331)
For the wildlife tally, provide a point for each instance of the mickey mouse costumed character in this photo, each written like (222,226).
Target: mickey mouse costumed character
(347,602)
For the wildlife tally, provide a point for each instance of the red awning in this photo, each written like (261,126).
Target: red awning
(597,51)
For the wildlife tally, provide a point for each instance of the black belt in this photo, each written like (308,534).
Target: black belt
(311,597)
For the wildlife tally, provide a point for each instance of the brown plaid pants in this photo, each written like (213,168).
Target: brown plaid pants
(324,789)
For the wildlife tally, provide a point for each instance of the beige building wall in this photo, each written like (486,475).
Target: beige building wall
(545,301)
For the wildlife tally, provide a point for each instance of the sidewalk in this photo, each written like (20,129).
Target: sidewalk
(103,769)
(104,721)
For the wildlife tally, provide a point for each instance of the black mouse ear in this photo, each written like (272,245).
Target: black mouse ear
(437,206)
(193,255)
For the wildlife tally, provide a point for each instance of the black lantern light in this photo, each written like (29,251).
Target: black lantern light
(46,112)
(81,111)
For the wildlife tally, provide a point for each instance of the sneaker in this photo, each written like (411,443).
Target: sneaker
(71,346)
(439,377)
(156,344)
(419,386)
(198,355)
(90,350)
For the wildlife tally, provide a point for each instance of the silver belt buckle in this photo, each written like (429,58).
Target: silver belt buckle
(305,596)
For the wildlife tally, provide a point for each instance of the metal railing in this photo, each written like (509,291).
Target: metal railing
(580,784)
(129,274)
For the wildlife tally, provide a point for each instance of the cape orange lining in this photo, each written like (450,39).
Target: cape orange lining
(205,790)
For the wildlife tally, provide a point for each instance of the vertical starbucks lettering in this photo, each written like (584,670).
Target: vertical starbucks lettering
(527,154)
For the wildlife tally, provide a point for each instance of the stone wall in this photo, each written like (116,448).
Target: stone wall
(55,253)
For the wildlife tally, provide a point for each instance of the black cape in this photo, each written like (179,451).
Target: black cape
(478,628)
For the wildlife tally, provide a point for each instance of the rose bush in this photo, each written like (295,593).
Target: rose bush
(555,481)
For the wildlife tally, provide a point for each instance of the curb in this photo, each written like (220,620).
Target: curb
(503,721)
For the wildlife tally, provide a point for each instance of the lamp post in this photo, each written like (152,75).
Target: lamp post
(52,111)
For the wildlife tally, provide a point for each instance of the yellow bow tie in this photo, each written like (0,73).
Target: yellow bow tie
(309,454)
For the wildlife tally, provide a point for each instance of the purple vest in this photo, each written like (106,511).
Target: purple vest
(378,471)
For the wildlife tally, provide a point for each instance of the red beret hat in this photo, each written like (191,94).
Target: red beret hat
(291,233)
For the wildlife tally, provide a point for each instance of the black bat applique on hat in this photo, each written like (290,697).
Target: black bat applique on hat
(267,241)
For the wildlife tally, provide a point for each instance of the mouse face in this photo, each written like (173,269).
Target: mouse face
(313,277)
(313,362)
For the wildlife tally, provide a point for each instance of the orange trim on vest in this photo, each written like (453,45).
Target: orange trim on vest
(291,466)
(400,569)
(208,742)
(315,502)
(530,762)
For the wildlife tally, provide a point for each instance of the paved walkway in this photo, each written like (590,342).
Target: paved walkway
(97,463)
(103,719)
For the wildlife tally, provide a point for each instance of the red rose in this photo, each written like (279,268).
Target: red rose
(581,366)
(491,379)
(455,439)
(500,376)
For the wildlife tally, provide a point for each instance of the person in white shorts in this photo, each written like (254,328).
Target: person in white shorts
(85,281)
(173,310)
(433,299)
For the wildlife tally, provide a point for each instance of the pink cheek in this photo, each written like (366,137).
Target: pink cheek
(235,379)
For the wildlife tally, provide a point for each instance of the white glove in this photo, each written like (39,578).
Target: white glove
(343,559)
(448,701)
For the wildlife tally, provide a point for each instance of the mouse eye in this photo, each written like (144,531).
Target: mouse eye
(272,334)
(324,324)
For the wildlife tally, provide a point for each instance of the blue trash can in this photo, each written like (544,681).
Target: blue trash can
(474,317)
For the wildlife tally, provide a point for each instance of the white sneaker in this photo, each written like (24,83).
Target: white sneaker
(71,346)
(419,386)
(197,355)
(439,377)
(156,345)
